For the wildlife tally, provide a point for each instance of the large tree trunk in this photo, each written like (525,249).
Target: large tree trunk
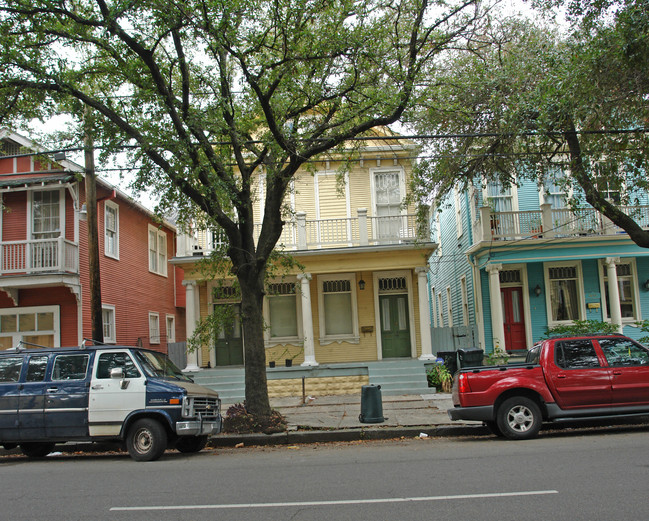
(252,295)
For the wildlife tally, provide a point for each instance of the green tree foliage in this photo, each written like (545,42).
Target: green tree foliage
(209,93)
(531,102)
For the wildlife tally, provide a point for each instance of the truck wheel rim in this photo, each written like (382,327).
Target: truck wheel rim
(143,441)
(520,418)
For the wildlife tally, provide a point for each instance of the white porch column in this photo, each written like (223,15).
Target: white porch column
(424,315)
(614,308)
(307,320)
(497,319)
(191,314)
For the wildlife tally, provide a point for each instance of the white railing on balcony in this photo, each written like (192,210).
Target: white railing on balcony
(305,234)
(37,256)
(548,223)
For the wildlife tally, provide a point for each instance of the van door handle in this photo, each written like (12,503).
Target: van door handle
(97,387)
(52,389)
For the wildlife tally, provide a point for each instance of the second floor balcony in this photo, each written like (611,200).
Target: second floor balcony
(302,233)
(27,257)
(549,222)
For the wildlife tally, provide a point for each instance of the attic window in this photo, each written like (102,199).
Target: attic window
(9,148)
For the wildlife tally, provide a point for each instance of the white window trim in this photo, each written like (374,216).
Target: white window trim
(514,194)
(449,305)
(162,270)
(30,217)
(17,335)
(402,185)
(114,206)
(440,309)
(580,290)
(154,336)
(603,281)
(457,201)
(171,335)
(273,341)
(325,339)
(110,307)
(465,300)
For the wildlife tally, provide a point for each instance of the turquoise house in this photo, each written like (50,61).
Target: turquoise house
(512,261)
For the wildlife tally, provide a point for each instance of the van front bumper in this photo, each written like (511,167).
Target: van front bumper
(198,427)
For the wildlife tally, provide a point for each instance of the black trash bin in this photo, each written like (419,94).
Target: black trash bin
(371,404)
(470,357)
(450,360)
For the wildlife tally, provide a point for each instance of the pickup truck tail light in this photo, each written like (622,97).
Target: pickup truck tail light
(463,384)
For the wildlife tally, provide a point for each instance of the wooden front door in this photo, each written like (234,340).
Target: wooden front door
(513,317)
(229,341)
(395,329)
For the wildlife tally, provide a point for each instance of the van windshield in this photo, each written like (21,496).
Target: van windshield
(158,365)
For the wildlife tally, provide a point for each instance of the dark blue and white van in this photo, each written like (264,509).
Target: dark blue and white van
(100,393)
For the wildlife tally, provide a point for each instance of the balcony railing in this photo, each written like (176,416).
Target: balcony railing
(550,223)
(306,234)
(39,256)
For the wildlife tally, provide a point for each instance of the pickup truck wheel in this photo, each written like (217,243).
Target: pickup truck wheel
(519,418)
(146,440)
(36,450)
(190,444)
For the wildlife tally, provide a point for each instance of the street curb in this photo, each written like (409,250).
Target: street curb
(342,435)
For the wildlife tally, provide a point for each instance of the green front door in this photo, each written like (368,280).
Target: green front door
(229,342)
(395,329)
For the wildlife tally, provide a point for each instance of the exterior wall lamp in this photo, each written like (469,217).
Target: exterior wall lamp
(361,284)
(646,285)
(538,290)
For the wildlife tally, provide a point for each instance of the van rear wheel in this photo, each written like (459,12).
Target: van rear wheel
(146,440)
(190,444)
(36,450)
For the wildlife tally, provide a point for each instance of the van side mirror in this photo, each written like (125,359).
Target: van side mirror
(117,372)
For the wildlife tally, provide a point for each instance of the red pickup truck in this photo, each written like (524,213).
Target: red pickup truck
(562,379)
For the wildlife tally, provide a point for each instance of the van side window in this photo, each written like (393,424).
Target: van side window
(36,368)
(70,367)
(10,369)
(108,361)
(575,354)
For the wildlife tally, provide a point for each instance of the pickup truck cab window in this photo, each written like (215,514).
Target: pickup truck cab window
(621,352)
(575,354)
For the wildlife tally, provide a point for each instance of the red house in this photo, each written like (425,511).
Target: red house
(44,270)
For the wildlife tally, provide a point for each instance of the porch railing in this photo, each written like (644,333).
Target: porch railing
(548,222)
(37,256)
(306,234)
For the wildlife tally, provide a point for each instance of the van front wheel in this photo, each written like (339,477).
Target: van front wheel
(146,440)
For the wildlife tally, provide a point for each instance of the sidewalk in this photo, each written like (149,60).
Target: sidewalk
(336,418)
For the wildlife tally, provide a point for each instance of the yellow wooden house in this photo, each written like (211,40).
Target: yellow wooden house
(361,294)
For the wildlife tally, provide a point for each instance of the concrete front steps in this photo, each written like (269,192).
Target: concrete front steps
(400,376)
